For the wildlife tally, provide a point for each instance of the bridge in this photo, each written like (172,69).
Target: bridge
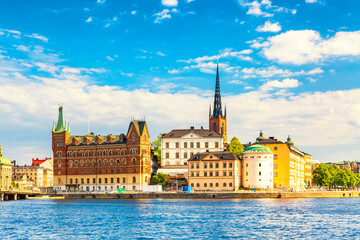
(7,195)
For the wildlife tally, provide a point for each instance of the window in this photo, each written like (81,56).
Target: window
(224,185)
(134,179)
(206,145)
(167,145)
(224,165)
(191,145)
(230,184)
(197,174)
(191,154)
(247,174)
(259,173)
(88,181)
(99,163)
(185,154)
(117,162)
(185,144)
(217,184)
(197,165)
(177,145)
(105,180)
(205,184)
(192,185)
(275,148)
(133,137)
(205,174)
(275,166)
(82,163)
(224,174)
(124,180)
(211,174)
(259,164)
(211,185)
(192,174)
(71,181)
(258,156)
(230,165)
(100,180)
(133,161)
(94,180)
(198,185)
(230,174)
(167,155)
(275,157)
(211,165)
(177,155)
(82,181)
(247,165)
(216,174)
(124,161)
(216,144)
(117,180)
(205,165)
(275,174)
(198,144)
(216,165)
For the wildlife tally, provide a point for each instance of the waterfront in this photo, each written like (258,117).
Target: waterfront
(184,219)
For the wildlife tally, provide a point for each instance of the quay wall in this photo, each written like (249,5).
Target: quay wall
(214,195)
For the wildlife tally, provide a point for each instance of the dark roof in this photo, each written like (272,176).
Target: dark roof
(139,126)
(177,133)
(220,154)
(270,141)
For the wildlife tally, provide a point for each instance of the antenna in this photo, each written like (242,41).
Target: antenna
(88,126)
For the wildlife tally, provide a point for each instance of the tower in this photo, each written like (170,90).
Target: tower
(218,120)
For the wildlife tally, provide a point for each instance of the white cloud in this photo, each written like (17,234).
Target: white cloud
(269,27)
(90,19)
(286,83)
(306,46)
(110,58)
(169,3)
(189,1)
(226,53)
(162,15)
(160,54)
(275,71)
(23,48)
(37,36)
(133,12)
(255,9)
(174,71)
(100,1)
(311,1)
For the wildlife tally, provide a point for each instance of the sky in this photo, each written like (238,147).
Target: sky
(287,67)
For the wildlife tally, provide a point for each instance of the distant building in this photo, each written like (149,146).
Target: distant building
(5,172)
(37,161)
(257,167)
(101,163)
(179,145)
(214,171)
(289,162)
(32,175)
(48,165)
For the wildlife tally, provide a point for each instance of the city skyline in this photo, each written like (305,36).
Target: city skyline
(286,67)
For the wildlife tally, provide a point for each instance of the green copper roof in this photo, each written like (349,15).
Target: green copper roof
(261,137)
(60,126)
(4,161)
(257,149)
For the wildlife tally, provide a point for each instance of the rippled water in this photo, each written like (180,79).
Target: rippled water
(183,219)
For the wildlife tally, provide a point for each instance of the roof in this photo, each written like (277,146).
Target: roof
(224,155)
(257,149)
(178,133)
(91,139)
(5,161)
(270,140)
(139,126)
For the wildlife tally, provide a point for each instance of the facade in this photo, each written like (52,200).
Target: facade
(257,167)
(289,163)
(218,119)
(214,171)
(179,145)
(101,163)
(308,172)
(32,175)
(48,166)
(5,172)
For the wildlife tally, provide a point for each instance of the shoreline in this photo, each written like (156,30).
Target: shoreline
(207,195)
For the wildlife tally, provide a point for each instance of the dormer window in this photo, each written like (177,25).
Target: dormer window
(133,137)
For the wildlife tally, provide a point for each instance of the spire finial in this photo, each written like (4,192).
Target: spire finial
(217,98)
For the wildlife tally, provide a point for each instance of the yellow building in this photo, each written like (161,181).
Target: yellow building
(289,163)
(5,172)
(308,176)
(214,171)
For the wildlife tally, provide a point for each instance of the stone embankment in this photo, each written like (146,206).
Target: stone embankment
(213,195)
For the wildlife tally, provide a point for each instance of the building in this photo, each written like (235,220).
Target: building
(289,163)
(308,171)
(214,171)
(33,176)
(218,119)
(5,172)
(101,163)
(48,166)
(257,167)
(179,145)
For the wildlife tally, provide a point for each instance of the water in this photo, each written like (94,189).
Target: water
(336,218)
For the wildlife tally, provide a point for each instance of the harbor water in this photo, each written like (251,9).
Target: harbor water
(321,218)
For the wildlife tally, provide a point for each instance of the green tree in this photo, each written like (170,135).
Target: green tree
(160,179)
(322,175)
(156,144)
(235,147)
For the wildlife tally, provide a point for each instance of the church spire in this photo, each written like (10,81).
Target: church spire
(60,126)
(217,98)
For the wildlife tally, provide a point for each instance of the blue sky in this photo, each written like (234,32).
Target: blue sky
(287,67)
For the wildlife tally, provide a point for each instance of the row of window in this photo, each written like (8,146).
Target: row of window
(247,173)
(210,174)
(211,185)
(247,165)
(100,163)
(111,152)
(259,156)
(100,181)
(190,145)
(103,171)
(211,165)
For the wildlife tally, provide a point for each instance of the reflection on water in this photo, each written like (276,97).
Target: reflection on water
(233,219)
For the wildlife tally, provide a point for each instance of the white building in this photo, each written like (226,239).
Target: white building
(257,167)
(179,145)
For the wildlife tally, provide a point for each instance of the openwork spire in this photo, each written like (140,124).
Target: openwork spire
(217,98)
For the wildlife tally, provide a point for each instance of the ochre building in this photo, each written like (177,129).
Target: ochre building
(101,163)
(5,172)
(214,171)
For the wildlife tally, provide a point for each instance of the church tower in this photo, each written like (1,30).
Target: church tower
(218,120)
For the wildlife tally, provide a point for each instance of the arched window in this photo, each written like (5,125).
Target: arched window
(217,184)
(134,179)
(105,163)
(224,184)
(59,154)
(59,163)
(71,164)
(211,185)
(214,127)
(111,162)
(124,180)
(134,161)
(88,163)
(76,163)
(82,163)
(145,137)
(222,129)
(133,137)
(124,161)
(99,163)
(117,162)
(192,185)
(145,178)
(198,185)
(230,184)
(93,163)
(205,184)
(71,181)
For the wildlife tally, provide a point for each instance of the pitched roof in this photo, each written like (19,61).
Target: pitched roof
(224,155)
(139,126)
(178,133)
(270,140)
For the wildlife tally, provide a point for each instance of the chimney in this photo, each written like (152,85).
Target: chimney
(202,127)
(207,150)
(192,127)
(250,143)
(271,137)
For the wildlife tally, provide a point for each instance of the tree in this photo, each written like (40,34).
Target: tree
(157,146)
(322,175)
(235,147)
(160,179)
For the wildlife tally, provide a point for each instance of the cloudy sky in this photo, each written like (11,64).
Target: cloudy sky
(286,67)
